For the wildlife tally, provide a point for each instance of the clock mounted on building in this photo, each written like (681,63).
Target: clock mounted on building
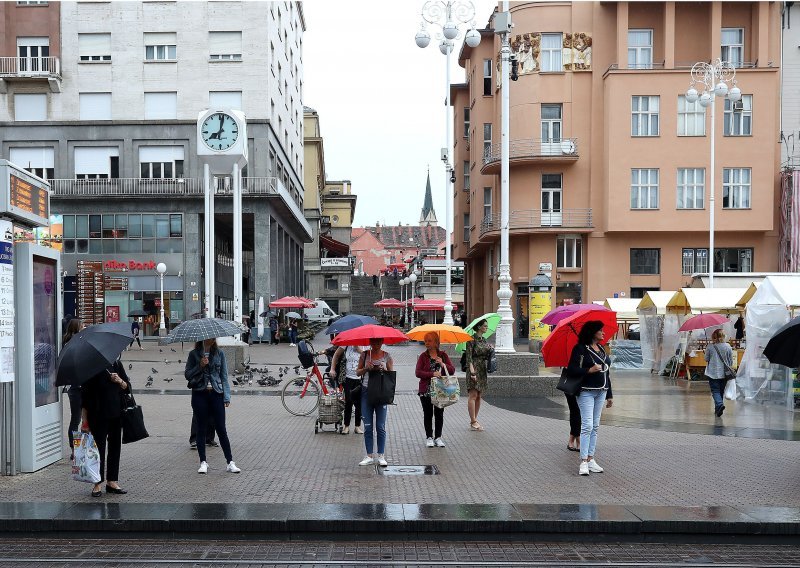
(219,131)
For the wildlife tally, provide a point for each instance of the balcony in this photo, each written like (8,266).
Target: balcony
(31,70)
(531,151)
(537,220)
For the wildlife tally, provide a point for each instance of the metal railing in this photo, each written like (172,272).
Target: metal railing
(533,148)
(30,67)
(539,219)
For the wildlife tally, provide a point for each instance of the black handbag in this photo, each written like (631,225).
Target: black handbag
(381,386)
(133,428)
(568,384)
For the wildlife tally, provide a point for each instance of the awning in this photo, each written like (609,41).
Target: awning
(334,247)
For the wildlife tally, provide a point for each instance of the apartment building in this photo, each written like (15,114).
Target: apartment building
(609,164)
(102,99)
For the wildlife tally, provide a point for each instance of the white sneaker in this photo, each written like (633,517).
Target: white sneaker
(346,430)
(203,467)
(232,468)
(584,469)
(594,467)
(382,460)
(367,461)
(359,430)
(429,442)
(439,443)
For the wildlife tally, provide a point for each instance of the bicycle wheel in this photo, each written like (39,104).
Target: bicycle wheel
(298,402)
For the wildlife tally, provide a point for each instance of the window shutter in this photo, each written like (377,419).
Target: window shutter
(30,106)
(95,106)
(33,157)
(160,38)
(225,99)
(224,43)
(94,44)
(160,106)
(160,153)
(94,160)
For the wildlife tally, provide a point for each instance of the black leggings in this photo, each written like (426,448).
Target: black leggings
(574,415)
(350,401)
(108,436)
(136,339)
(430,412)
(74,394)
(209,404)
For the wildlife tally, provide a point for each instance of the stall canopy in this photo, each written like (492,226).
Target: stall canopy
(705,300)
(656,300)
(748,295)
(291,302)
(625,308)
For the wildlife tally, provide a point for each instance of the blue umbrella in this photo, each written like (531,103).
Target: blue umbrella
(350,321)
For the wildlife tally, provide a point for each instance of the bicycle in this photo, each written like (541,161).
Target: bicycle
(300,395)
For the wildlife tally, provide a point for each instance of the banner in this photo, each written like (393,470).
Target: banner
(539,303)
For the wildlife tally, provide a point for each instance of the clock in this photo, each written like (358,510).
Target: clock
(219,131)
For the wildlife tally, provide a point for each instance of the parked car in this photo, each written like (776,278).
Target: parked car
(633,332)
(321,312)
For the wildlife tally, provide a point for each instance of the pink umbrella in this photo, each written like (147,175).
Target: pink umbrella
(562,312)
(703,321)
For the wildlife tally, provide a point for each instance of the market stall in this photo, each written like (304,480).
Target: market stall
(771,305)
(658,331)
(626,352)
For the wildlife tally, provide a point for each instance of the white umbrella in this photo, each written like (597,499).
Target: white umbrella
(260,318)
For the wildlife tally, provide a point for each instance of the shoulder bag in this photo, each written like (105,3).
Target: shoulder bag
(569,384)
(444,390)
(729,373)
(381,387)
(133,428)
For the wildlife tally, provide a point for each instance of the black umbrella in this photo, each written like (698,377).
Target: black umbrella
(91,351)
(784,347)
(269,314)
(138,313)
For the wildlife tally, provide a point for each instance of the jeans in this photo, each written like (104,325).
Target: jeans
(351,402)
(379,412)
(292,335)
(574,415)
(717,387)
(429,412)
(210,405)
(590,403)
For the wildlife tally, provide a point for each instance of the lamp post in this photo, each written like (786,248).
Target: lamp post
(161,269)
(404,297)
(450,16)
(717,79)
(413,279)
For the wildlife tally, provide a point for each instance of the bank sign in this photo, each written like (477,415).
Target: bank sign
(125,266)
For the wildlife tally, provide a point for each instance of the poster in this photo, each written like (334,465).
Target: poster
(112,313)
(6,302)
(45,326)
(539,306)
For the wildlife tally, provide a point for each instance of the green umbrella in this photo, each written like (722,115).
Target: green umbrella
(492,318)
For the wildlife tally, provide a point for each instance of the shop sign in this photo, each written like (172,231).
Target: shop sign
(117,266)
(330,262)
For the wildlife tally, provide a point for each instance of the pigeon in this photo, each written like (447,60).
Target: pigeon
(166,361)
(171,349)
(250,382)
(160,350)
(149,378)
(179,361)
(149,382)
(262,381)
(153,370)
(167,379)
(130,366)
(235,382)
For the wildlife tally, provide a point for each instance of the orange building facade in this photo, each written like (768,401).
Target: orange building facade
(609,165)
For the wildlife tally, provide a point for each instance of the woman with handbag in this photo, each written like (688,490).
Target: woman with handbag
(206,374)
(719,363)
(478,353)
(352,385)
(591,363)
(102,400)
(374,359)
(431,364)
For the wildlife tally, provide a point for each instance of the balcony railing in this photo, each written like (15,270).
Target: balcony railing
(538,219)
(30,67)
(533,148)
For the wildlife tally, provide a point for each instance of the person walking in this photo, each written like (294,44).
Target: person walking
(352,385)
(135,330)
(374,416)
(719,355)
(273,331)
(590,361)
(207,369)
(478,353)
(432,363)
(73,327)
(102,398)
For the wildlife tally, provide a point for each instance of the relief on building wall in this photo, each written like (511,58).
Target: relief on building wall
(576,53)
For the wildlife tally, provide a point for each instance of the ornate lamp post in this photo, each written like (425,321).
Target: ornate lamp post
(450,16)
(412,279)
(161,269)
(717,79)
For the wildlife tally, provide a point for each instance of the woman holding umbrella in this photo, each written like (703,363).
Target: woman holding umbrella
(431,363)
(719,358)
(374,359)
(478,353)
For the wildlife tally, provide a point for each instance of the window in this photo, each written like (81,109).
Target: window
(225,46)
(487,139)
(551,124)
(736,188)
(645,260)
(569,251)
(95,106)
(160,46)
(739,116)
(38,161)
(30,106)
(225,99)
(32,52)
(644,188)
(733,260)
(487,77)
(160,106)
(272,57)
(161,162)
(640,49)
(466,227)
(644,115)
(694,261)
(551,53)
(31,2)
(466,122)
(733,46)
(96,162)
(331,284)
(466,175)
(487,202)
(691,118)
(691,188)
(94,47)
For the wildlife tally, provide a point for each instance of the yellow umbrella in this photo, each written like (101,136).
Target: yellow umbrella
(446,333)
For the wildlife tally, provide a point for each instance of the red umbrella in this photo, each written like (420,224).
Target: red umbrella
(562,312)
(703,321)
(557,348)
(362,335)
(389,303)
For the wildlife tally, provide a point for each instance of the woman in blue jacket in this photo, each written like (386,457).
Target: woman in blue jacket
(207,376)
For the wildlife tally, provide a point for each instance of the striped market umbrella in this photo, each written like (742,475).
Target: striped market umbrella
(204,328)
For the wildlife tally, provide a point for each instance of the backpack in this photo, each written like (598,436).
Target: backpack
(305,353)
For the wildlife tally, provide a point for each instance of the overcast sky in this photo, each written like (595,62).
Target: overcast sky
(380,100)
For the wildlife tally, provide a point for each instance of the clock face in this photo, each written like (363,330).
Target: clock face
(220,131)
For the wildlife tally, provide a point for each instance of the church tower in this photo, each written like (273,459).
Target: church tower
(428,216)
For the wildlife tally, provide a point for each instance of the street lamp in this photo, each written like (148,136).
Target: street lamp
(413,279)
(404,297)
(161,269)
(718,79)
(450,16)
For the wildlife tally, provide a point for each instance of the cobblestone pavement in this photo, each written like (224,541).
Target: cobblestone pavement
(69,553)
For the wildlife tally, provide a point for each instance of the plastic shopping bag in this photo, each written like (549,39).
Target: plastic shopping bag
(86,466)
(730,390)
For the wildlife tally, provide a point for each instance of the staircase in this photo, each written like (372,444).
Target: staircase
(390,287)
(363,295)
